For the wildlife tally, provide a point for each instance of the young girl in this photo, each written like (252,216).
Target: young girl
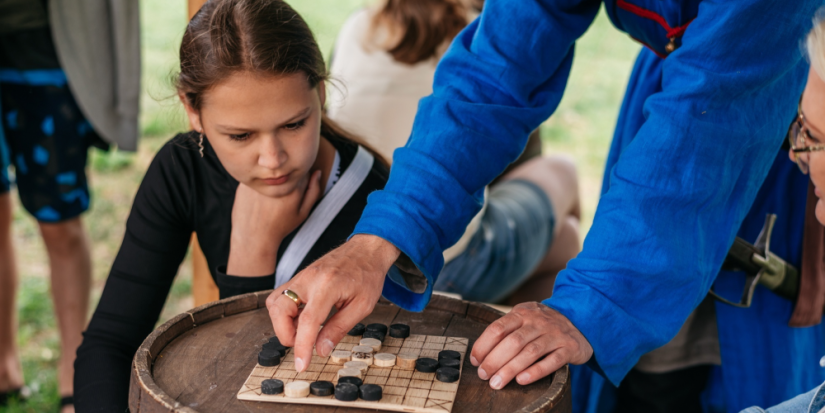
(244,180)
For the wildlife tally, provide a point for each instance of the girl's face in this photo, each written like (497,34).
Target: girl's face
(265,129)
(813,108)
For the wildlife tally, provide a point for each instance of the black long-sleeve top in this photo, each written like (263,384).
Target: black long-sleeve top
(181,193)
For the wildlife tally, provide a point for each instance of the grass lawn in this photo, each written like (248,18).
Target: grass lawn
(581,127)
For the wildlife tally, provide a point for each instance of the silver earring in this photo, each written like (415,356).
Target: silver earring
(200,145)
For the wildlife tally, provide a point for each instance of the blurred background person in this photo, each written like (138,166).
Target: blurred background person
(385,58)
(69,79)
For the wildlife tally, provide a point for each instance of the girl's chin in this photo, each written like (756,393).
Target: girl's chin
(273,191)
(820,211)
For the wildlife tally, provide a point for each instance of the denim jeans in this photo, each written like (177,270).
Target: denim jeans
(810,402)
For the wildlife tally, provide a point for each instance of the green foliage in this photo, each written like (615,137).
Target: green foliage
(582,126)
(39,345)
(109,161)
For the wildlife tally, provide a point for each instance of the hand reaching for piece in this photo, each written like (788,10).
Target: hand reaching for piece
(260,223)
(350,277)
(513,346)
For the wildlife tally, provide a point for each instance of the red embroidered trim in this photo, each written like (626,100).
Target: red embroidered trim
(648,46)
(647,14)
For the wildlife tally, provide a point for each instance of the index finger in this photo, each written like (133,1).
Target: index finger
(492,335)
(282,313)
(309,324)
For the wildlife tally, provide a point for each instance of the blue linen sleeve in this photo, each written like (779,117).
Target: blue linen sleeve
(501,77)
(679,192)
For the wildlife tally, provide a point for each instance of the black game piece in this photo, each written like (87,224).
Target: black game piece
(346,392)
(452,363)
(447,374)
(370,392)
(275,347)
(449,354)
(269,358)
(399,331)
(321,388)
(276,340)
(357,330)
(377,327)
(426,365)
(374,334)
(351,379)
(272,386)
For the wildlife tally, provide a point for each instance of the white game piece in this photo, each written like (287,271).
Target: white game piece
(372,342)
(363,357)
(363,349)
(406,360)
(297,389)
(347,372)
(360,365)
(384,359)
(340,356)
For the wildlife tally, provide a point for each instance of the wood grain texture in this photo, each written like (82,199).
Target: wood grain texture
(199,366)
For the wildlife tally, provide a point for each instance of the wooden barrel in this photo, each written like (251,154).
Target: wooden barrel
(198,360)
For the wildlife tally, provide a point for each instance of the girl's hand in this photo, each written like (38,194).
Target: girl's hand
(527,344)
(260,223)
(350,277)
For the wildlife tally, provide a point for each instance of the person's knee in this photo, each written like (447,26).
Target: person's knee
(563,169)
(64,238)
(557,176)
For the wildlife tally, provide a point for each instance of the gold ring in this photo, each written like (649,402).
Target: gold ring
(294,297)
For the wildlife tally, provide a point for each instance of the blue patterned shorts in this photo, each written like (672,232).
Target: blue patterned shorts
(46,137)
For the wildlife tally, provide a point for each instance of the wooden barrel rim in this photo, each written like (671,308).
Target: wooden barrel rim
(146,396)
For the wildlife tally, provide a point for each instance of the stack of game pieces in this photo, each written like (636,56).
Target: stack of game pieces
(449,358)
(449,365)
(349,389)
(271,353)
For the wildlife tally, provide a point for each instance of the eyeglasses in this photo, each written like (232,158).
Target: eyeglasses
(799,137)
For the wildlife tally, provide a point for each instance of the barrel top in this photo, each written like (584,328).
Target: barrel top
(198,360)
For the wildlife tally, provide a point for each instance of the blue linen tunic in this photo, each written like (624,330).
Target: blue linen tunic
(698,134)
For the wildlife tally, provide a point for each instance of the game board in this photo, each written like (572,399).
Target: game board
(405,390)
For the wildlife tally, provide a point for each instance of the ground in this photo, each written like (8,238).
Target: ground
(581,127)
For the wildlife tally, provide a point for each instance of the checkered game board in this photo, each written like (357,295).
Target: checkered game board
(404,390)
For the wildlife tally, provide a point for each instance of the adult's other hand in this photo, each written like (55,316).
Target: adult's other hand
(350,277)
(512,345)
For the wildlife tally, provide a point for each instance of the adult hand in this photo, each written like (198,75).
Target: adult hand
(350,277)
(511,345)
(260,223)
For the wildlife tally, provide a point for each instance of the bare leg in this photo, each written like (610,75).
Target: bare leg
(70,262)
(540,284)
(556,175)
(11,373)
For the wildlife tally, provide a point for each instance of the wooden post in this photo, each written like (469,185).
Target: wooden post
(204,289)
(194,6)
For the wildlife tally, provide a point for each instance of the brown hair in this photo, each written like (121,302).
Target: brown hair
(417,29)
(259,36)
